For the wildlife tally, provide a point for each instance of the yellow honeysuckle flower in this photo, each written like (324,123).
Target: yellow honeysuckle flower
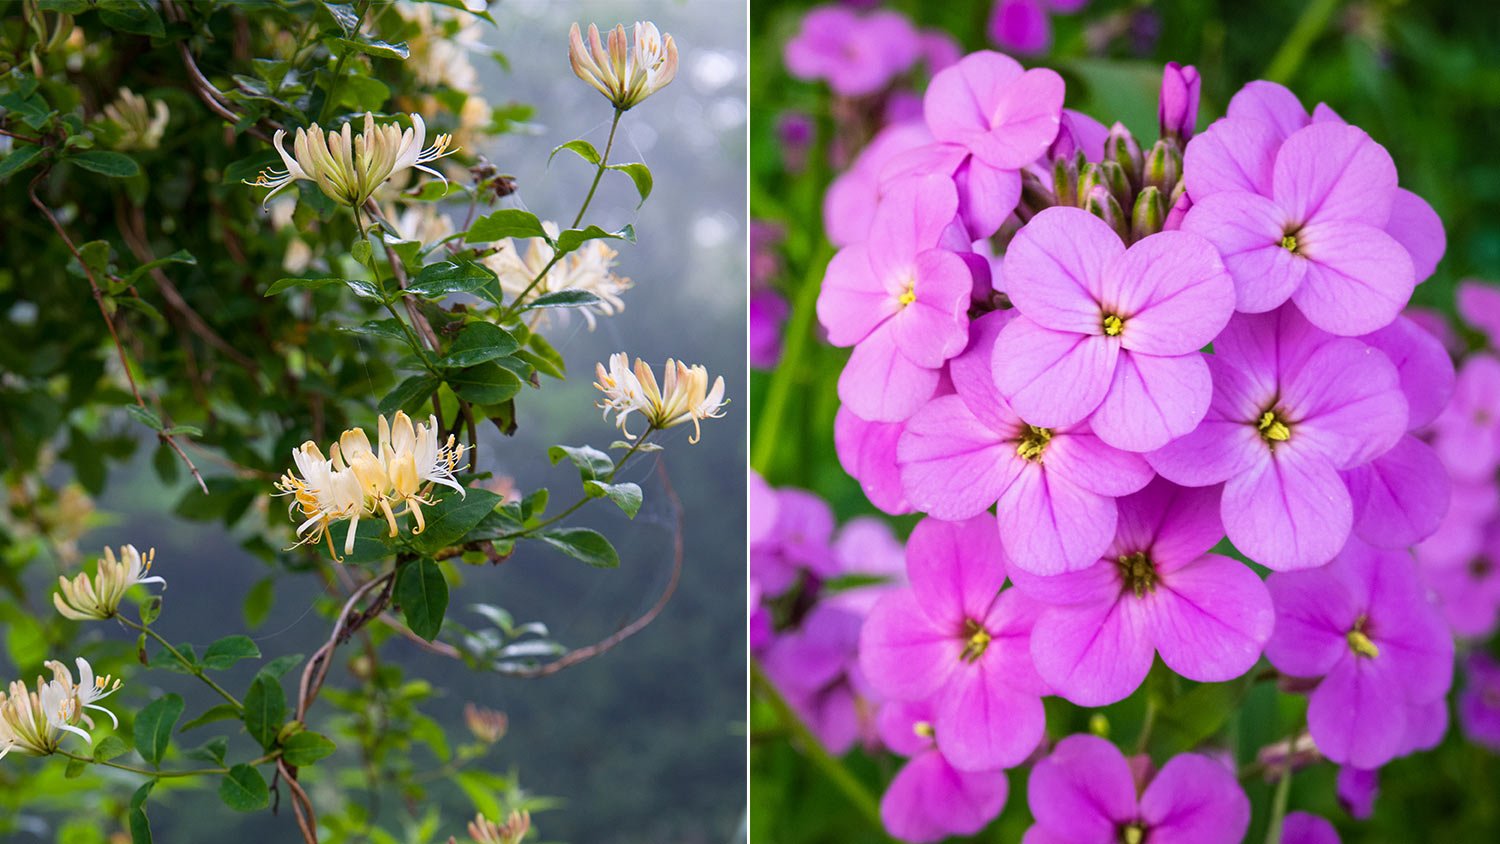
(624,74)
(33,722)
(349,167)
(683,396)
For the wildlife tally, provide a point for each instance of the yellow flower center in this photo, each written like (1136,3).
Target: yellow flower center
(924,729)
(1272,429)
(909,295)
(1033,443)
(1289,243)
(1359,642)
(978,641)
(1133,833)
(1138,571)
(1113,325)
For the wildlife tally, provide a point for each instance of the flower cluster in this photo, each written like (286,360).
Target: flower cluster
(1089,361)
(98,598)
(139,122)
(589,268)
(683,395)
(357,479)
(625,74)
(33,721)
(349,168)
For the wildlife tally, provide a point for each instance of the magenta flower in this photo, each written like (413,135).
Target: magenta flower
(815,668)
(856,54)
(1005,115)
(1055,487)
(1357,789)
(1363,624)
(1084,793)
(1157,590)
(1305,828)
(955,639)
(1479,705)
(1479,305)
(1110,331)
(1467,434)
(901,299)
(1025,26)
(798,542)
(1311,230)
(867,451)
(930,799)
(986,195)
(1467,589)
(1291,407)
(850,202)
(768,312)
(1177,107)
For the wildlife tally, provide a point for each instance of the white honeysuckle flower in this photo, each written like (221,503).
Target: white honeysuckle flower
(65,703)
(589,268)
(625,74)
(348,168)
(683,395)
(33,722)
(98,598)
(415,461)
(420,222)
(141,123)
(438,53)
(325,495)
(24,726)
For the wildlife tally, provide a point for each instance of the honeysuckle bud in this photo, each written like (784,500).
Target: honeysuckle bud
(1101,203)
(140,123)
(624,74)
(684,394)
(487,725)
(98,598)
(1149,214)
(1163,166)
(1177,110)
(1114,178)
(348,168)
(485,831)
(1121,147)
(1065,180)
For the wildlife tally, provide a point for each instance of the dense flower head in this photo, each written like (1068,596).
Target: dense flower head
(626,73)
(349,168)
(84,598)
(513,831)
(683,395)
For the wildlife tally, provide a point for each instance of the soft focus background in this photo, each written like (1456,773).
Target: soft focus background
(1420,77)
(646,743)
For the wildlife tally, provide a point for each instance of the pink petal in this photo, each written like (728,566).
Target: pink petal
(987,196)
(1209,620)
(867,451)
(956,568)
(958,99)
(1479,305)
(1052,378)
(1247,230)
(1270,104)
(1055,269)
(1082,790)
(1224,444)
(930,800)
(973,373)
(880,384)
(983,723)
(1173,292)
(934,327)
(1356,715)
(1289,511)
(1195,800)
(1050,525)
(1233,155)
(1082,458)
(952,465)
(853,302)
(1314,611)
(1153,400)
(1423,366)
(1330,171)
(1346,404)
(902,654)
(912,217)
(1022,26)
(1305,828)
(1177,524)
(1097,584)
(1419,230)
(1358,277)
(1094,654)
(1399,498)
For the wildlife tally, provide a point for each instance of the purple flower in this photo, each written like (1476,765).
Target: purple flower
(1025,26)
(1467,434)
(1110,331)
(1309,227)
(901,299)
(1291,407)
(867,451)
(799,540)
(1157,590)
(1479,305)
(1055,487)
(1177,108)
(955,639)
(850,203)
(930,799)
(1005,115)
(1304,828)
(768,312)
(814,666)
(856,54)
(1084,793)
(1357,789)
(1479,705)
(1363,624)
(866,548)
(986,195)
(1468,589)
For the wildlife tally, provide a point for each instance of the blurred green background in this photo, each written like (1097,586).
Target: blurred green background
(1420,77)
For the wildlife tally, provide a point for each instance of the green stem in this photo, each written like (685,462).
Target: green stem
(586,499)
(374,265)
(1315,17)
(599,173)
(145,772)
(193,668)
(1278,805)
(788,372)
(813,749)
(514,306)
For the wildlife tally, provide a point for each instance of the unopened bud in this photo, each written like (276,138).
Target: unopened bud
(1117,182)
(1178,204)
(1163,166)
(1035,197)
(1121,147)
(1177,110)
(1065,181)
(1149,214)
(1102,204)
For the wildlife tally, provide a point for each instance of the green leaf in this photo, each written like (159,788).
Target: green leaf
(280,665)
(409,394)
(562,299)
(379,49)
(574,238)
(487,383)
(110,747)
(184,430)
(243,789)
(211,751)
(627,496)
(583,544)
(19,159)
(545,358)
(181,256)
(591,462)
(364,289)
(229,650)
(113,164)
(258,601)
(360,251)
(75,769)
(285,284)
(439,280)
(305,748)
(1196,716)
(134,16)
(477,343)
(507,222)
(222,712)
(344,15)
(582,148)
(140,827)
(154,725)
(422,593)
(145,417)
(265,710)
(638,173)
(389,328)
(453,517)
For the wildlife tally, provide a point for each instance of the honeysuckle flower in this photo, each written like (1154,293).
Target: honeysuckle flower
(33,722)
(141,123)
(1055,487)
(349,168)
(1363,624)
(1005,115)
(1177,107)
(929,799)
(1110,334)
(487,725)
(954,638)
(513,831)
(684,395)
(1307,828)
(324,494)
(856,54)
(1156,590)
(589,268)
(1086,792)
(624,73)
(73,700)
(901,299)
(1292,406)
(84,598)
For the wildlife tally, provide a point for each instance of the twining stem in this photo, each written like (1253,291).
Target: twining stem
(784,379)
(1288,58)
(599,173)
(813,749)
(145,772)
(374,265)
(192,667)
(635,447)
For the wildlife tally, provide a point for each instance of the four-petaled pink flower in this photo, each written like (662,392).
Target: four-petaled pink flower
(1110,331)
(930,799)
(1157,590)
(1004,114)
(1055,487)
(954,638)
